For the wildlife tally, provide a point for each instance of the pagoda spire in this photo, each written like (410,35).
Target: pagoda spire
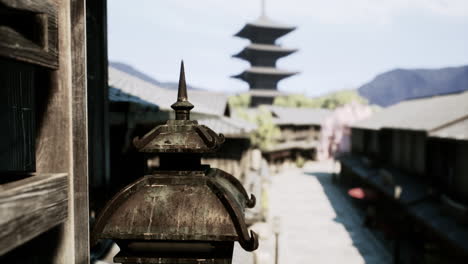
(263,8)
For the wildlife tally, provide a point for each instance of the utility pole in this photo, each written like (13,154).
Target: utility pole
(276,229)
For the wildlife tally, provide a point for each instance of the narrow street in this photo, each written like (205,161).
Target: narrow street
(318,223)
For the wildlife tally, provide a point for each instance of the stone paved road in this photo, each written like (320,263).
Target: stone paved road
(318,223)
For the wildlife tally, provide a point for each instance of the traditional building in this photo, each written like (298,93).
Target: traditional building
(262,53)
(300,132)
(447,156)
(412,157)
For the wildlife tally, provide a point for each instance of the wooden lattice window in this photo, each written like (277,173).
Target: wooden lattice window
(17,116)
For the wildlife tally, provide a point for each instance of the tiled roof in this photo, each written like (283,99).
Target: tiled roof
(130,88)
(298,116)
(457,130)
(425,114)
(266,22)
(116,95)
(229,127)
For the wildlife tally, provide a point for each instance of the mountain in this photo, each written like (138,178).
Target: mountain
(132,71)
(401,84)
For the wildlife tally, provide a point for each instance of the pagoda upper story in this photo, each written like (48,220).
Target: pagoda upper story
(262,54)
(264,31)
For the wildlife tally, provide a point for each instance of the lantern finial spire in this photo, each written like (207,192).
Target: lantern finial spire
(182,107)
(182,93)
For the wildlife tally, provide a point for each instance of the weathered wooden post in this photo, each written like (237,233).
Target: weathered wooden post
(184,212)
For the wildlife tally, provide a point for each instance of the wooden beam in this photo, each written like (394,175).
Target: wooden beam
(98,98)
(79,131)
(30,207)
(62,135)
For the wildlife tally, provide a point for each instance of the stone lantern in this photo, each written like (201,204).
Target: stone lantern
(185,211)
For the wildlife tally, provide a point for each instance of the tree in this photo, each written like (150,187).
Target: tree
(330,101)
(239,101)
(267,133)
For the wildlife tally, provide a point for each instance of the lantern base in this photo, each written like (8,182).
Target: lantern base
(174,252)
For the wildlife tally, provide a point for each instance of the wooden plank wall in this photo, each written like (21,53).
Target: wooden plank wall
(67,130)
(61,146)
(54,139)
(31,206)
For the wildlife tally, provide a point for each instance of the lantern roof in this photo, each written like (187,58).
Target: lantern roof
(187,206)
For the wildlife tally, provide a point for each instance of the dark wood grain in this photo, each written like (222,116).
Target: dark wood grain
(79,131)
(98,109)
(30,207)
(54,137)
(61,139)
(29,31)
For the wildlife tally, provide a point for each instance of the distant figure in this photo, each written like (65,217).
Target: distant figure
(335,136)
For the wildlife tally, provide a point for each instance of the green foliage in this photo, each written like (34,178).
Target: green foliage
(239,101)
(300,161)
(330,101)
(267,133)
(296,100)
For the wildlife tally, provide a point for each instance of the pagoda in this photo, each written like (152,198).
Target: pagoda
(262,53)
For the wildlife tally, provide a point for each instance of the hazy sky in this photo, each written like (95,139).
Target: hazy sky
(342,43)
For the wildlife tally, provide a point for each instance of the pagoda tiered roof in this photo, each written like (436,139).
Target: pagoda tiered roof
(262,54)
(257,50)
(265,78)
(264,26)
(267,71)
